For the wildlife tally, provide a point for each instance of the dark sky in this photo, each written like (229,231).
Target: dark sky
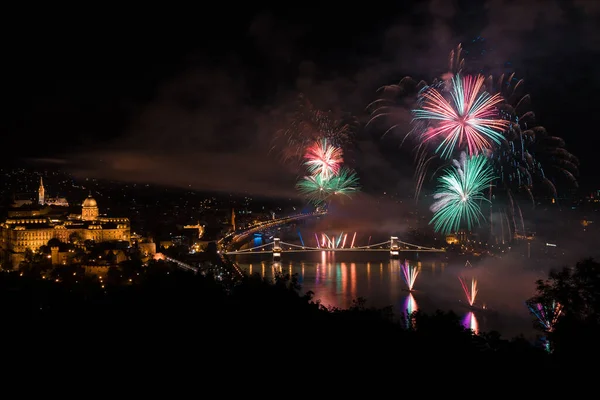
(193,96)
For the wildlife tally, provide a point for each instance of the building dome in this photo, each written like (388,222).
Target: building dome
(90,202)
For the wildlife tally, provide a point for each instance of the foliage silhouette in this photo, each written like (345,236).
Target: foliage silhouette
(577,290)
(165,311)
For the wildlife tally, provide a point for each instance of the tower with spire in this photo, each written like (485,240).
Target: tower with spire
(41,193)
(233,219)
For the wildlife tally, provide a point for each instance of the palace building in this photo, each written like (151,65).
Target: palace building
(30,227)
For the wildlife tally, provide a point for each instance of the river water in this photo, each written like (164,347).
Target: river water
(339,278)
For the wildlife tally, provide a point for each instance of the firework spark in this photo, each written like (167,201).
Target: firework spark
(409,274)
(547,315)
(460,191)
(468,119)
(470,292)
(315,188)
(345,183)
(323,158)
(319,189)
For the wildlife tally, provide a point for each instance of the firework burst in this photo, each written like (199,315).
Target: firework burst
(315,188)
(318,189)
(470,291)
(468,119)
(460,191)
(345,183)
(526,160)
(409,274)
(307,125)
(323,159)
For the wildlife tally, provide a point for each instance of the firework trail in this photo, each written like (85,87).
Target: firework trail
(409,274)
(459,193)
(547,315)
(470,322)
(468,119)
(323,158)
(470,292)
(521,161)
(526,138)
(353,239)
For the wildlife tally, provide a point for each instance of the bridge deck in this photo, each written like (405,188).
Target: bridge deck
(331,250)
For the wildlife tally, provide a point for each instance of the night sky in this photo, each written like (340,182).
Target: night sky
(193,96)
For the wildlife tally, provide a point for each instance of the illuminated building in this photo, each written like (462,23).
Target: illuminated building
(451,239)
(459,237)
(50,201)
(198,227)
(31,229)
(41,193)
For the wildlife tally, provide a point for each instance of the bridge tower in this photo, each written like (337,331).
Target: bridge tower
(394,248)
(277,249)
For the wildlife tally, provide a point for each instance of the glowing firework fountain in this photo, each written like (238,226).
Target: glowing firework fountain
(470,292)
(334,242)
(409,274)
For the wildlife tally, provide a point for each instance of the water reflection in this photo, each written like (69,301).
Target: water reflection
(470,322)
(410,306)
(337,281)
(353,280)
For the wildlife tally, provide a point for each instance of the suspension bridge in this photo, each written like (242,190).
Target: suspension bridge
(393,246)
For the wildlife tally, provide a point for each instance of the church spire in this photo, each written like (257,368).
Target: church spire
(41,192)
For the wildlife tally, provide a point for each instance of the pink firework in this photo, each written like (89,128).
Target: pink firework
(467,119)
(470,292)
(324,159)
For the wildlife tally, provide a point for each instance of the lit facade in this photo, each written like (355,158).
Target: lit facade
(50,201)
(41,193)
(31,230)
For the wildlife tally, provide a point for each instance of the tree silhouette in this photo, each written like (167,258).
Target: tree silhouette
(577,290)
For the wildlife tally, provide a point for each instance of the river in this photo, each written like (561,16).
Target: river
(339,278)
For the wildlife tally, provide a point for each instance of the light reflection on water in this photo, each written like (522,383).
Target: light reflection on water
(470,322)
(338,279)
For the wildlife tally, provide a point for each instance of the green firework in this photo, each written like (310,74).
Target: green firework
(345,183)
(319,189)
(314,187)
(460,192)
